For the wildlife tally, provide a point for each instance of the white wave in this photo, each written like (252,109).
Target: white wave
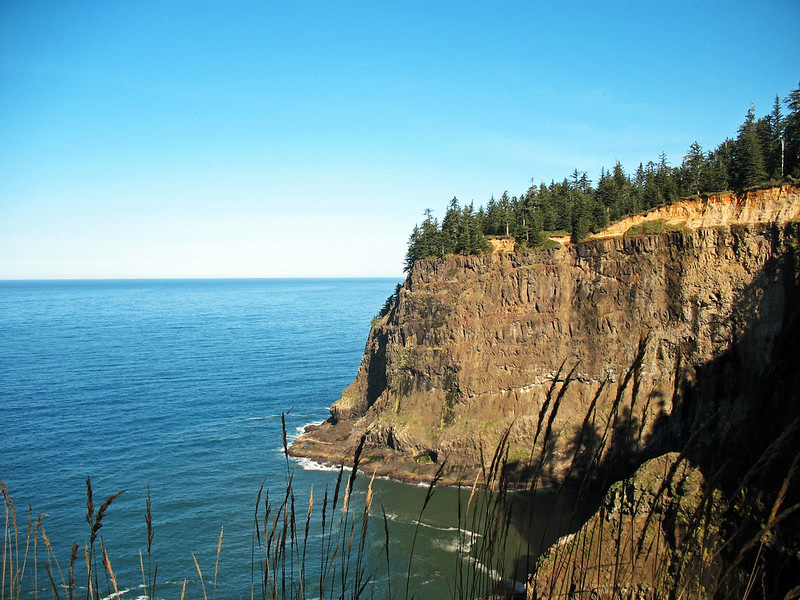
(125,591)
(518,586)
(429,526)
(464,542)
(450,546)
(436,575)
(390,516)
(311,465)
(419,484)
(422,484)
(409,520)
(299,430)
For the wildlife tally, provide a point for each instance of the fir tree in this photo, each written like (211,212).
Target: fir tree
(792,134)
(581,220)
(471,239)
(413,254)
(715,176)
(692,168)
(777,142)
(747,161)
(451,225)
(504,214)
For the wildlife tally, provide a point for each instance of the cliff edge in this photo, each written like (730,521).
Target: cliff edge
(772,205)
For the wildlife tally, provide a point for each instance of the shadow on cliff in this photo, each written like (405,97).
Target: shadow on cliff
(735,418)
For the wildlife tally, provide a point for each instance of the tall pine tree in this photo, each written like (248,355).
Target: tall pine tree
(775,155)
(792,134)
(692,169)
(747,161)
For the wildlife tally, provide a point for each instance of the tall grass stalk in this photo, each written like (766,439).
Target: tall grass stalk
(200,575)
(150,585)
(109,570)
(216,561)
(13,571)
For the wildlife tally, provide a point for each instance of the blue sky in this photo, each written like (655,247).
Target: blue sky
(261,139)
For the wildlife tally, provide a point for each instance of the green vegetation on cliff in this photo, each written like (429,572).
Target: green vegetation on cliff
(765,151)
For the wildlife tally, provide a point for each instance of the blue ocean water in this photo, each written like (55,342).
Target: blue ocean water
(179,386)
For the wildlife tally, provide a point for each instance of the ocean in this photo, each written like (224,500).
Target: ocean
(178,386)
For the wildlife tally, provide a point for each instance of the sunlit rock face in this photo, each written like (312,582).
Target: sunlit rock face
(582,353)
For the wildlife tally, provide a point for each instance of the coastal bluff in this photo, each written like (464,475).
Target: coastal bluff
(653,376)
(478,347)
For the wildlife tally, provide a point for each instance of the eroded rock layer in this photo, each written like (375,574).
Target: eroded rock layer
(583,347)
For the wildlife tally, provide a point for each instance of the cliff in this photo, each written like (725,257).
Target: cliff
(568,339)
(668,363)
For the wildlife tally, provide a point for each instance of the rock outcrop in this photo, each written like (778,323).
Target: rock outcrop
(668,363)
(586,344)
(773,205)
(649,515)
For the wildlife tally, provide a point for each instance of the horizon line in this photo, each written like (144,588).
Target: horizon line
(189,278)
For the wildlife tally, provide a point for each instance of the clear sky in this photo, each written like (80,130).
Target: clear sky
(281,139)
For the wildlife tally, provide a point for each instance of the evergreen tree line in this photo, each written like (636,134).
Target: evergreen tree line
(765,150)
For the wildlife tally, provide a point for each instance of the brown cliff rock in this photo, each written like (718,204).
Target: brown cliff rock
(585,347)
(635,544)
(773,205)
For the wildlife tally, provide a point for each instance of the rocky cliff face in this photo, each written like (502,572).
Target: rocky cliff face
(774,205)
(667,363)
(575,352)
